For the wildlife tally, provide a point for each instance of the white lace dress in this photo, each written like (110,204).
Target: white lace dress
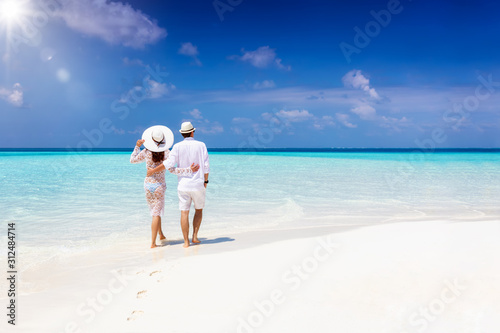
(154,185)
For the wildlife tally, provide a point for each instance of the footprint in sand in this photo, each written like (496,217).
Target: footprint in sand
(153,273)
(142,294)
(135,314)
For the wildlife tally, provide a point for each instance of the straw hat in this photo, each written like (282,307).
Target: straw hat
(186,127)
(158,138)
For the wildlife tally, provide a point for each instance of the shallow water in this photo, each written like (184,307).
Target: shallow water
(72,203)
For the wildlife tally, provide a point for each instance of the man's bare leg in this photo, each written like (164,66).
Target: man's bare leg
(185,226)
(154,230)
(198,215)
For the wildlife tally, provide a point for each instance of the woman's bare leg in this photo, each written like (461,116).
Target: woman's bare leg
(162,236)
(154,230)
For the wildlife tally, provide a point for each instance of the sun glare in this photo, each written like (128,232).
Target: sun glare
(10,10)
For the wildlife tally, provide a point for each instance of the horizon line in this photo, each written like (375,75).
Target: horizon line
(294,149)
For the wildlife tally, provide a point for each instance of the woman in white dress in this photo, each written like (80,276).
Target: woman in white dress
(157,140)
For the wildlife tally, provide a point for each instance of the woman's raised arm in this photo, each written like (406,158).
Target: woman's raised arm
(138,156)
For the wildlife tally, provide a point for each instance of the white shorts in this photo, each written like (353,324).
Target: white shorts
(185,198)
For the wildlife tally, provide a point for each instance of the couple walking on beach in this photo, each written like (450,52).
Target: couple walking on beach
(188,160)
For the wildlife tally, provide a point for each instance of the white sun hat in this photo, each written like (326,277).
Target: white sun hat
(158,138)
(186,127)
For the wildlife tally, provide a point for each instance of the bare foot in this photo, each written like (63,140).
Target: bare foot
(186,244)
(196,240)
(162,237)
(153,246)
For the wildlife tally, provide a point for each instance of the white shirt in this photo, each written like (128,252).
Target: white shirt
(185,153)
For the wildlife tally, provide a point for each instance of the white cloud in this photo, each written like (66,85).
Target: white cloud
(281,66)
(243,126)
(114,22)
(237,130)
(295,116)
(365,111)
(266,84)
(423,108)
(271,118)
(355,79)
(325,121)
(13,96)
(211,127)
(132,62)
(157,90)
(289,119)
(204,125)
(190,50)
(320,96)
(241,120)
(196,114)
(344,120)
(263,57)
(151,89)
(394,123)
(400,100)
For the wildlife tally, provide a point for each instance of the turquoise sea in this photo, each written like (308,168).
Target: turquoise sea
(64,203)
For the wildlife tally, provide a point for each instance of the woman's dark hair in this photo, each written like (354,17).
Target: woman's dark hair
(158,156)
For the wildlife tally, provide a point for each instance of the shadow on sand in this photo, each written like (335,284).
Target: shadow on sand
(203,241)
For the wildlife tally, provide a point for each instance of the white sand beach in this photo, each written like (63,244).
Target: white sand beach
(426,276)
(365,257)
(339,162)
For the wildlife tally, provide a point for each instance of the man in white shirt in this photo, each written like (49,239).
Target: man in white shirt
(191,188)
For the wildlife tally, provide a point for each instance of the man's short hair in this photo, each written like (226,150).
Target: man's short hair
(187,135)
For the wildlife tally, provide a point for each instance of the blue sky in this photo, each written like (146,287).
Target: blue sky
(94,74)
